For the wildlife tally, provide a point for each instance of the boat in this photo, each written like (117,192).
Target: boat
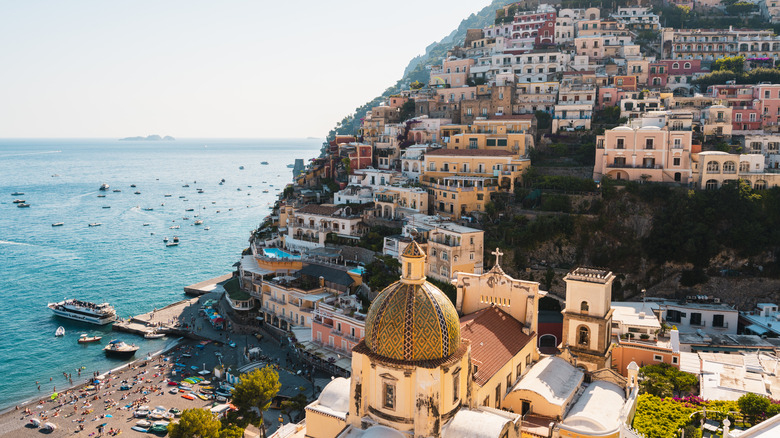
(159,427)
(174,227)
(198,222)
(85,311)
(165,239)
(189,209)
(264,163)
(143,423)
(17,194)
(172,244)
(207,228)
(238,189)
(265,191)
(241,167)
(154,335)
(141,412)
(95,224)
(175,239)
(200,190)
(19,201)
(147,224)
(58,224)
(117,348)
(132,185)
(137,192)
(175,412)
(106,206)
(187,396)
(182,197)
(101,196)
(186,185)
(60,331)
(23,205)
(116,190)
(84,339)
(167,195)
(148,209)
(104,187)
(185,218)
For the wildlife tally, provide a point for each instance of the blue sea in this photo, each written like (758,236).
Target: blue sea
(122,261)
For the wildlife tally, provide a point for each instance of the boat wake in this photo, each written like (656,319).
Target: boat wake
(8,242)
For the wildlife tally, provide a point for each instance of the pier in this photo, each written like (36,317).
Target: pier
(204,287)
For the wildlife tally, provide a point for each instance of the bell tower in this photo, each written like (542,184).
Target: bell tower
(587,318)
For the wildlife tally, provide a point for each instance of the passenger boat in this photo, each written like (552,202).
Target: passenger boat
(198,222)
(94,313)
(84,339)
(58,224)
(60,331)
(19,201)
(119,349)
(23,205)
(104,187)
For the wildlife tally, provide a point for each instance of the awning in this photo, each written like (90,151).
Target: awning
(756,329)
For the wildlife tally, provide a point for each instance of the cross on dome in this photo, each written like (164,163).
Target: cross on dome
(498,255)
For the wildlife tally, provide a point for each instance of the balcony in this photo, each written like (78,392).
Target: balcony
(633,166)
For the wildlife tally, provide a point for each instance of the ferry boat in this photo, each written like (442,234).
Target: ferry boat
(117,348)
(93,313)
(104,187)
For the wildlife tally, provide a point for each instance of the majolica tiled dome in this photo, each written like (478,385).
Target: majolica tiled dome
(412,320)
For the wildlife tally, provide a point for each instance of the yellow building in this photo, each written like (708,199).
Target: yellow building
(508,133)
(393,202)
(461,180)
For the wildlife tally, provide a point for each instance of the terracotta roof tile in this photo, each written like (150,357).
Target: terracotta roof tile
(469,153)
(495,339)
(323,210)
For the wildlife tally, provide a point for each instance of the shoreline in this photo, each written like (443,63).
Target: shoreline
(76,386)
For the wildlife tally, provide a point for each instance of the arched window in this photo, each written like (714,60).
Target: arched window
(583,336)
(711,184)
(676,65)
(656,81)
(729,167)
(584,307)
(713,167)
(687,65)
(760,185)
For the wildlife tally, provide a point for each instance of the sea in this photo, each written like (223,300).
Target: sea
(124,261)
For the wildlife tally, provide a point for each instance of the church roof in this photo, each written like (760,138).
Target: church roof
(588,412)
(495,338)
(412,322)
(334,399)
(413,250)
(552,378)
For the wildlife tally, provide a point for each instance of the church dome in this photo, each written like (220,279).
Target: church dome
(412,320)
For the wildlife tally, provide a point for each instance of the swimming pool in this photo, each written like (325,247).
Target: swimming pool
(276,253)
(359,270)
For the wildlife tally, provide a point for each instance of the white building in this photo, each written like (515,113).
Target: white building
(716,318)
(637,320)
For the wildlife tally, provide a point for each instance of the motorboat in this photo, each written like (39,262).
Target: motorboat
(101,196)
(95,224)
(198,222)
(23,205)
(84,339)
(167,195)
(265,191)
(175,239)
(264,163)
(116,191)
(104,187)
(148,209)
(165,239)
(185,218)
(17,194)
(147,224)
(60,331)
(189,209)
(172,244)
(132,185)
(58,224)
(241,167)
(238,189)
(119,349)
(137,192)
(159,427)
(174,227)
(186,185)
(207,228)
(19,201)
(101,314)
(154,335)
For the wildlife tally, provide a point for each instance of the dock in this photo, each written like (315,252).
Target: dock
(204,287)
(179,319)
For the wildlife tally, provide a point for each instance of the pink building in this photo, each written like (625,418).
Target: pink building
(612,95)
(453,72)
(769,95)
(645,151)
(591,46)
(746,104)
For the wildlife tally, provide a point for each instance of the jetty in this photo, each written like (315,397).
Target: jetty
(207,286)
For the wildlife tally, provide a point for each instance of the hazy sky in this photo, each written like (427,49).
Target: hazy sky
(260,68)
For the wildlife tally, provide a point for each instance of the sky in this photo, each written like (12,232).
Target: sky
(205,69)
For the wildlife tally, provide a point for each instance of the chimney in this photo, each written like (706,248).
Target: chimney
(322,281)
(674,340)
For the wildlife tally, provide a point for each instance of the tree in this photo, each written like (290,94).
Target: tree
(407,110)
(734,64)
(664,380)
(195,423)
(753,406)
(543,120)
(254,392)
(231,431)
(294,404)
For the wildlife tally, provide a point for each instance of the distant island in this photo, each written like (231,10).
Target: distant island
(149,138)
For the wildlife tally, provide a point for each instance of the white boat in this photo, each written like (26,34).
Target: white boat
(143,423)
(207,228)
(94,313)
(58,224)
(198,222)
(165,239)
(172,244)
(119,349)
(60,331)
(104,187)
(154,335)
(84,339)
(147,224)
(19,201)
(174,227)
(95,224)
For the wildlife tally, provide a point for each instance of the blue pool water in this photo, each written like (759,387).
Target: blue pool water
(359,270)
(124,261)
(277,253)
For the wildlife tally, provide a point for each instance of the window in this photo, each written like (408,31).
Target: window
(717,321)
(471,256)
(696,318)
(729,167)
(584,307)
(583,336)
(621,143)
(409,269)
(675,359)
(658,358)
(677,143)
(455,386)
(687,65)
(508,380)
(713,167)
(498,395)
(648,143)
(388,396)
(676,65)
(738,117)
(744,166)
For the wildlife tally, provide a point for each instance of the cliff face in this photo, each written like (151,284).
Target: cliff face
(416,71)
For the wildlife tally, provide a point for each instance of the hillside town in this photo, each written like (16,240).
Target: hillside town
(374,262)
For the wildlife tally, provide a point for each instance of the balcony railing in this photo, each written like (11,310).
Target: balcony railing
(633,166)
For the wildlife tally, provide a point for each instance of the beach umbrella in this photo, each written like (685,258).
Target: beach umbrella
(53,396)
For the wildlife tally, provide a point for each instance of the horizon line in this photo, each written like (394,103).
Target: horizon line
(175,138)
